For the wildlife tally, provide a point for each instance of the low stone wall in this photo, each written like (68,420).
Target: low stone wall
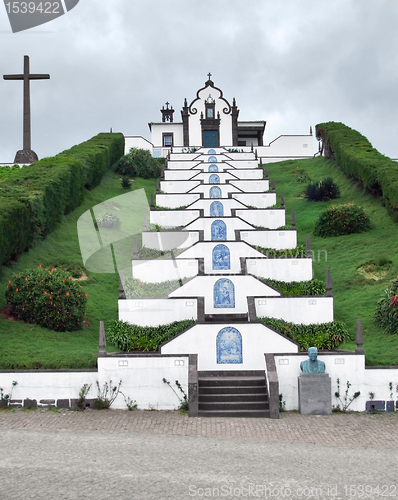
(305,310)
(281,269)
(276,239)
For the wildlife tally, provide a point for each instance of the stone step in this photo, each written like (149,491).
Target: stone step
(233,405)
(233,398)
(235,413)
(243,389)
(230,381)
(231,373)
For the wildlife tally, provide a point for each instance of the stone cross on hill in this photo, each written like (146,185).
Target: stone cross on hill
(26,155)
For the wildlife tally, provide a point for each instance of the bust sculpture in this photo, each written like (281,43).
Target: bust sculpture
(312,365)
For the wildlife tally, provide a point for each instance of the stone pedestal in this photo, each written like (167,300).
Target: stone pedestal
(26,156)
(315,394)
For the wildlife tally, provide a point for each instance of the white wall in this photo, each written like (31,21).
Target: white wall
(257,339)
(142,379)
(205,189)
(176,175)
(168,240)
(173,218)
(260,200)
(248,173)
(301,310)
(155,312)
(271,219)
(154,271)
(281,269)
(287,146)
(178,186)
(202,286)
(231,223)
(252,186)
(157,130)
(136,141)
(228,204)
(175,200)
(277,239)
(182,165)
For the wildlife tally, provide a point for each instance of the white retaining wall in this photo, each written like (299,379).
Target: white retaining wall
(251,185)
(302,310)
(271,219)
(260,200)
(177,175)
(281,269)
(202,286)
(155,312)
(176,200)
(228,204)
(231,223)
(279,240)
(178,186)
(136,141)
(154,271)
(287,145)
(168,240)
(173,218)
(257,339)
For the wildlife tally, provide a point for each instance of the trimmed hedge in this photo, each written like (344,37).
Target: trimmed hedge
(358,159)
(323,335)
(37,196)
(298,288)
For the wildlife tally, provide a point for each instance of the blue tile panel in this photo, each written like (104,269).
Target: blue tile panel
(229,346)
(224,294)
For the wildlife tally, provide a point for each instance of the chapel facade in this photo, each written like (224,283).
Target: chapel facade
(209,121)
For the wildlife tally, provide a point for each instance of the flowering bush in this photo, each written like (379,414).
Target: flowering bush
(343,219)
(386,314)
(49,298)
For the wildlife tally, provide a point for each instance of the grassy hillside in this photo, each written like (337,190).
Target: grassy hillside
(355,294)
(30,346)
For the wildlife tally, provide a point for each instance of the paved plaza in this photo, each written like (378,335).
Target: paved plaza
(143,455)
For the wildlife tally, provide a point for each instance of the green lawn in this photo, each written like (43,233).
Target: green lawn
(355,296)
(30,346)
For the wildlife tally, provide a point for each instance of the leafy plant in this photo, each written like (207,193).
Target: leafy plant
(310,287)
(107,395)
(82,396)
(301,175)
(347,400)
(138,163)
(282,404)
(184,403)
(386,314)
(371,396)
(323,190)
(191,149)
(5,398)
(49,298)
(130,403)
(340,220)
(126,183)
(323,335)
(107,220)
(127,337)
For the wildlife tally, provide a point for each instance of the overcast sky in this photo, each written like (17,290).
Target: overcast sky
(293,63)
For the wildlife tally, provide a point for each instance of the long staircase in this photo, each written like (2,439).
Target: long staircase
(232,394)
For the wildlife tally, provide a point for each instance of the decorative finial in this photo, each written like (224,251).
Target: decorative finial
(266,170)
(273,185)
(293,220)
(167,105)
(308,247)
(152,203)
(359,338)
(102,341)
(282,201)
(157,185)
(121,286)
(328,284)
(209,75)
(135,248)
(144,226)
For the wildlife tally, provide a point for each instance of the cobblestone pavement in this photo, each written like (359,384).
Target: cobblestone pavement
(143,455)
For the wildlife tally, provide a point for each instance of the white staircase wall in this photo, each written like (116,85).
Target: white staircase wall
(155,312)
(301,310)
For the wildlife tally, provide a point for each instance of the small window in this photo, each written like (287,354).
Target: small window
(210,113)
(167,140)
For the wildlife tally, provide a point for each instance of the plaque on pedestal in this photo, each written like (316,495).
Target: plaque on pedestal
(315,394)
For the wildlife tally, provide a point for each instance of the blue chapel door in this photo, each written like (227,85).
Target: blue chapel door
(210,138)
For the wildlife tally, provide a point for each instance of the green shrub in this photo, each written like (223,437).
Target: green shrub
(340,220)
(40,194)
(358,159)
(324,190)
(126,184)
(386,314)
(127,337)
(107,220)
(310,287)
(323,336)
(49,298)
(152,253)
(138,163)
(133,287)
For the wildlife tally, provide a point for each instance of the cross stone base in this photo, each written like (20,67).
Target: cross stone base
(25,156)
